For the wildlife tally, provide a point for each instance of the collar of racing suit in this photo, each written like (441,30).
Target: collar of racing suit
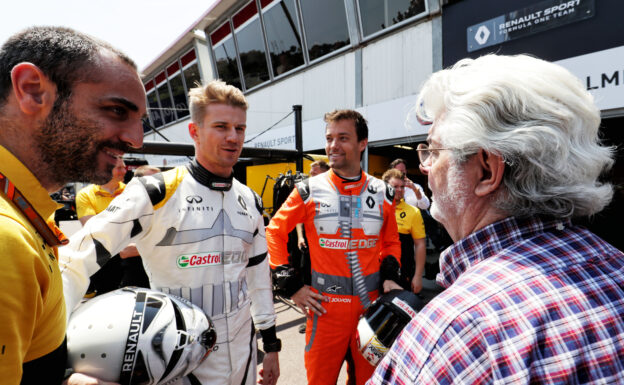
(208,179)
(347,186)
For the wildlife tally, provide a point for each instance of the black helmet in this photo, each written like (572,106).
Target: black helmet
(382,322)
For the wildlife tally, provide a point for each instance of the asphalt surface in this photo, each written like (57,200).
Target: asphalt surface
(292,368)
(289,319)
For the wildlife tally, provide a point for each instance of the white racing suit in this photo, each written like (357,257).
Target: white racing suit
(201,237)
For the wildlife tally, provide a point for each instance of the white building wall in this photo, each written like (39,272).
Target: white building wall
(396,66)
(204,59)
(319,89)
(177,133)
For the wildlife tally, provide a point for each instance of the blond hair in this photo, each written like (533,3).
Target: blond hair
(392,173)
(214,92)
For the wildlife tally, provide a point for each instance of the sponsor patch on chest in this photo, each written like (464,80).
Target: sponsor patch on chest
(186,261)
(344,244)
(206,259)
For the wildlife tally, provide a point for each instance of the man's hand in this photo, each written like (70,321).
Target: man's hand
(417,283)
(307,300)
(129,251)
(409,184)
(301,243)
(270,369)
(82,379)
(390,285)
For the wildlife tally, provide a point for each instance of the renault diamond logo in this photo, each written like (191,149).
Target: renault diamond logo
(194,199)
(242,202)
(482,35)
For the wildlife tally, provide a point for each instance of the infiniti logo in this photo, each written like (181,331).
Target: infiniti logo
(194,199)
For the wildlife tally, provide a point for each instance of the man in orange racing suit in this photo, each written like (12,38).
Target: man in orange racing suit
(354,250)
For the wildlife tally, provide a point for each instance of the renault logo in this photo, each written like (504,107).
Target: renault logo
(482,35)
(194,199)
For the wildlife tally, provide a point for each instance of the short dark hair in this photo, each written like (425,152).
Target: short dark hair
(322,165)
(361,126)
(397,162)
(64,56)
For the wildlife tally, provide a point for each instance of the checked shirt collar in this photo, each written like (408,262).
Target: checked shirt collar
(483,243)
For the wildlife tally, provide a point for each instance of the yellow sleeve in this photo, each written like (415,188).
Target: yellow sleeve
(418,226)
(21,301)
(84,205)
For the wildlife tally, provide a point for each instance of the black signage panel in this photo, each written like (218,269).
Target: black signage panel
(602,30)
(536,18)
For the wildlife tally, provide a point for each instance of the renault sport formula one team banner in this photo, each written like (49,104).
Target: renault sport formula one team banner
(527,21)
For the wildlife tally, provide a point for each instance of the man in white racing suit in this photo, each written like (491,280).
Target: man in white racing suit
(201,235)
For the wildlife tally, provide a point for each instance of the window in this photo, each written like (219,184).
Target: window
(179,96)
(166,105)
(152,105)
(191,76)
(225,55)
(167,91)
(251,48)
(191,71)
(376,15)
(283,34)
(325,23)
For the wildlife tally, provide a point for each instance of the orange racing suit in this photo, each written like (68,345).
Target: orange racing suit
(354,246)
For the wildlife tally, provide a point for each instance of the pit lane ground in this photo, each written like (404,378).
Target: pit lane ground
(289,318)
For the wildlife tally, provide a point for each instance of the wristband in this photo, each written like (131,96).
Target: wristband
(274,346)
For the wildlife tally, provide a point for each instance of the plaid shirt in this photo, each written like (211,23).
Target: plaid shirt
(528,301)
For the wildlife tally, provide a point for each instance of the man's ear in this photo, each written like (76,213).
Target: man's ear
(362,144)
(192,127)
(492,167)
(34,92)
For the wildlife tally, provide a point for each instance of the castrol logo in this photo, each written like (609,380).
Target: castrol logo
(344,244)
(187,261)
(334,243)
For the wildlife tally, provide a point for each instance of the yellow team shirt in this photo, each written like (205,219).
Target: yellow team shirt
(32,308)
(409,220)
(93,199)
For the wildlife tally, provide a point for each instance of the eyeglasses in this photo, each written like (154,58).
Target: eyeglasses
(426,153)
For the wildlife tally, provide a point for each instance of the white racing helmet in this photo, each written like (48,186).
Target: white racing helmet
(382,322)
(138,336)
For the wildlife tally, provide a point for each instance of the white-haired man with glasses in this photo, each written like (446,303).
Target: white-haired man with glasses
(512,156)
